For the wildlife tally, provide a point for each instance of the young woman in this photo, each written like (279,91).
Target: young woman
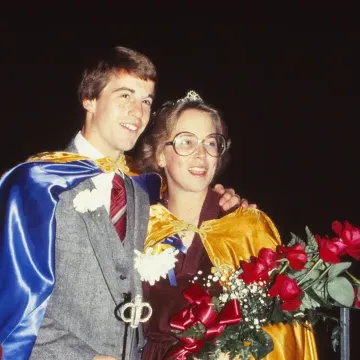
(188,147)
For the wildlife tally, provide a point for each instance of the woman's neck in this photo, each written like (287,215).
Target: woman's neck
(186,205)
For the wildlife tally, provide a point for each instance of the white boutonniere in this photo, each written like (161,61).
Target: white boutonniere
(88,200)
(152,267)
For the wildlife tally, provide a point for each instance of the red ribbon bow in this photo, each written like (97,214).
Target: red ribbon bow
(201,309)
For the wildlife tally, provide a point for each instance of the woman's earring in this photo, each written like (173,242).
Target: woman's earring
(162,162)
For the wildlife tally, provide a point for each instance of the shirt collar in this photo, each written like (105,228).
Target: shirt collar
(85,148)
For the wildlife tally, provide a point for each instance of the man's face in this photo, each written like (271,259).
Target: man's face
(120,114)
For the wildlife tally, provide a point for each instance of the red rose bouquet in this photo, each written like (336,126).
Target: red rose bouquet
(287,285)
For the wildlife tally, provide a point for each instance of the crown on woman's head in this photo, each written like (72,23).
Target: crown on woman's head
(191,96)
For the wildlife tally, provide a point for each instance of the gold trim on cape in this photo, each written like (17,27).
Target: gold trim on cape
(106,164)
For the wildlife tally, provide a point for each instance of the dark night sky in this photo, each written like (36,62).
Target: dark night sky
(291,99)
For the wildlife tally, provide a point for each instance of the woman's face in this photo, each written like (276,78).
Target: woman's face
(191,173)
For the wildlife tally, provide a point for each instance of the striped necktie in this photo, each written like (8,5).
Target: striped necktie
(118,206)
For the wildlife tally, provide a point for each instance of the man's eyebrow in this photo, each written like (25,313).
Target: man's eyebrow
(123,88)
(130,90)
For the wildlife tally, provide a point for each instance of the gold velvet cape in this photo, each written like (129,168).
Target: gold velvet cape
(228,240)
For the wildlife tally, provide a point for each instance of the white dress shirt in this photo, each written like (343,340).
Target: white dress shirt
(102,182)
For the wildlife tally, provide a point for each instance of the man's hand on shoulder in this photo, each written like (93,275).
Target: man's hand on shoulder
(230,199)
(104,357)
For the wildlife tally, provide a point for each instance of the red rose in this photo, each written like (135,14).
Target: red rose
(350,235)
(295,254)
(269,256)
(255,270)
(288,291)
(330,249)
(356,302)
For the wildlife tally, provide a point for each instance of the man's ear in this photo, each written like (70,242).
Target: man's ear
(89,105)
(161,160)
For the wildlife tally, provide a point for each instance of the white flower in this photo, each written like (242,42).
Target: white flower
(88,200)
(224,356)
(152,267)
(224,297)
(253,289)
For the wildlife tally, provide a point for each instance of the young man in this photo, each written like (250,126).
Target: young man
(94,218)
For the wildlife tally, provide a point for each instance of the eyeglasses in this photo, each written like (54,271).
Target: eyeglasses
(185,143)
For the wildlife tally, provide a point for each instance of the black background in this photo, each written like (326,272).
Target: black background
(288,92)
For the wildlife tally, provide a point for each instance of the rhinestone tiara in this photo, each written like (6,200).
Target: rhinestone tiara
(191,96)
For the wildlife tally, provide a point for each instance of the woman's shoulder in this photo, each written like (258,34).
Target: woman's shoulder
(249,214)
(250,221)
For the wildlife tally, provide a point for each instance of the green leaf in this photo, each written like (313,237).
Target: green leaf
(292,241)
(296,274)
(341,290)
(319,299)
(261,345)
(337,269)
(320,267)
(335,337)
(308,303)
(277,314)
(312,317)
(313,275)
(217,304)
(311,240)
(320,289)
(297,240)
(196,331)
